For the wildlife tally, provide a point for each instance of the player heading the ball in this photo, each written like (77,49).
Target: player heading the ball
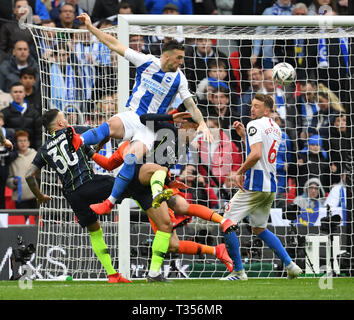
(157,83)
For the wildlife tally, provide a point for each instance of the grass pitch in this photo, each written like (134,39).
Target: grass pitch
(253,289)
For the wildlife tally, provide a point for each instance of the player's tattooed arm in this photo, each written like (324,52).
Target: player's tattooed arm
(198,118)
(31,180)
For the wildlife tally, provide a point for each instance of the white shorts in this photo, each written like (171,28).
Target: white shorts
(135,130)
(255,204)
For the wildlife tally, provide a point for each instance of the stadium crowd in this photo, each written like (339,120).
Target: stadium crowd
(79,77)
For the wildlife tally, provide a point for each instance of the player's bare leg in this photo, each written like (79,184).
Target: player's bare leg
(100,248)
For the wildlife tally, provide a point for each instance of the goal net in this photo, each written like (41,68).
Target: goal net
(225,65)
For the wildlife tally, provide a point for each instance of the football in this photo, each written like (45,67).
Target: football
(284,73)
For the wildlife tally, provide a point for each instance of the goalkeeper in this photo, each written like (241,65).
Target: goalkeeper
(78,181)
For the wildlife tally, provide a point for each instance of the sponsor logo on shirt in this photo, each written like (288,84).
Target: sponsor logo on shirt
(252,131)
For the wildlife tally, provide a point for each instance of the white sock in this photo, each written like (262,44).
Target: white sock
(153,273)
(112,199)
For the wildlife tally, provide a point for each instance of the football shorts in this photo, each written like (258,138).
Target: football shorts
(255,204)
(135,130)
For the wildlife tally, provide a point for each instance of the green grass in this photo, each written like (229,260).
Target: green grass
(253,289)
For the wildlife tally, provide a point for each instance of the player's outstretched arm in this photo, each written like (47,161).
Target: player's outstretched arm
(31,174)
(107,39)
(198,118)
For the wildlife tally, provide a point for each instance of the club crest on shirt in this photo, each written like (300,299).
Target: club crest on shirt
(252,131)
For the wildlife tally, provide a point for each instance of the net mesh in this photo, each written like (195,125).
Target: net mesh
(79,76)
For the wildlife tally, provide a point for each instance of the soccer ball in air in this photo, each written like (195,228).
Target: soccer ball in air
(284,73)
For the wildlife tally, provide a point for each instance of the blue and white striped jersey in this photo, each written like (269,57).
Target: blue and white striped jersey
(154,90)
(262,176)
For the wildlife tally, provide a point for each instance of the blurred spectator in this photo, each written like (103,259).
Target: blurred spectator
(22,116)
(219,158)
(137,43)
(16,181)
(155,43)
(6,12)
(67,18)
(100,52)
(106,8)
(310,202)
(266,47)
(65,83)
(216,74)
(300,53)
(242,7)
(329,106)
(50,4)
(156,6)
(227,190)
(82,49)
(333,63)
(5,99)
(6,157)
(47,39)
(275,92)
(56,11)
(11,32)
(283,160)
(125,8)
(300,116)
(74,115)
(337,145)
(196,61)
(40,11)
(342,7)
(321,7)
(313,162)
(10,69)
(224,6)
(220,106)
(204,7)
(199,191)
(255,81)
(33,94)
(108,106)
(337,197)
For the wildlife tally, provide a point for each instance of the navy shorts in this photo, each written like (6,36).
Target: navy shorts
(93,191)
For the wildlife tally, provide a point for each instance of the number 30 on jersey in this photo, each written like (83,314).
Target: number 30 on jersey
(62,159)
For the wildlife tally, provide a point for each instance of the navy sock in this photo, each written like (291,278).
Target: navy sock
(95,135)
(124,176)
(233,248)
(275,244)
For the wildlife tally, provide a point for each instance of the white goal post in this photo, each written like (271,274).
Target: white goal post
(132,234)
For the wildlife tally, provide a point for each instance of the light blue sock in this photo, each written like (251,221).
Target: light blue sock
(95,135)
(124,177)
(233,248)
(275,244)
